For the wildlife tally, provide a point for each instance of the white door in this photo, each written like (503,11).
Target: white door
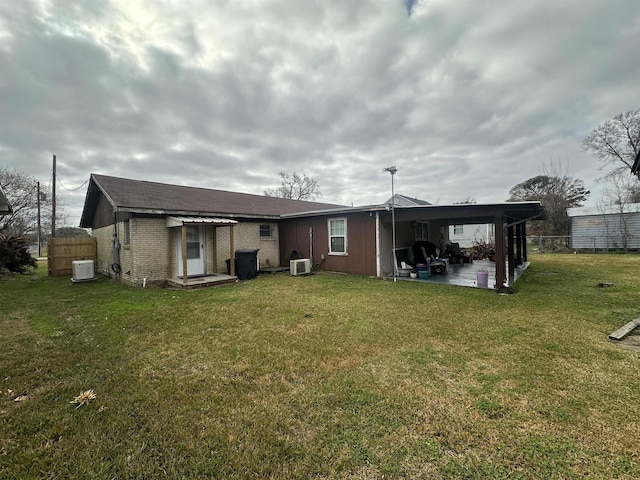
(195,251)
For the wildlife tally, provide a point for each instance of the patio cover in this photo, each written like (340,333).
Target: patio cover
(179,221)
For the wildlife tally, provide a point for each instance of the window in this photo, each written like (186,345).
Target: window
(266,230)
(458,229)
(127,232)
(337,236)
(422,231)
(193,242)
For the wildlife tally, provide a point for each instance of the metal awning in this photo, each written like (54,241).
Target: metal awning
(218,222)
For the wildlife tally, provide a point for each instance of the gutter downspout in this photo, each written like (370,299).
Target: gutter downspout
(115,248)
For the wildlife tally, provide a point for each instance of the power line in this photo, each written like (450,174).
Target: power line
(72,189)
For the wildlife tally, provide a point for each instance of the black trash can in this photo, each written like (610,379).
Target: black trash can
(246,263)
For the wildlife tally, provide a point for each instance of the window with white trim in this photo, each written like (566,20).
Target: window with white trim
(458,229)
(337,236)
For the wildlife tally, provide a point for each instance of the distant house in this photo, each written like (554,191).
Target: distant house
(466,235)
(404,201)
(605,228)
(5,206)
(159,232)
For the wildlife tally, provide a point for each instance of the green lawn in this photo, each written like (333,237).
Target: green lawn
(325,376)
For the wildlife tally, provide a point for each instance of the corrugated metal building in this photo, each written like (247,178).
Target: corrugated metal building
(605,228)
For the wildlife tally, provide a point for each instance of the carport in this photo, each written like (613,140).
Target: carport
(431,222)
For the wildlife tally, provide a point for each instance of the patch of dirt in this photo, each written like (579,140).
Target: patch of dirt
(630,342)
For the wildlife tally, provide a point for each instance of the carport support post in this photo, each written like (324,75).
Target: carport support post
(519,243)
(214,249)
(184,254)
(501,270)
(510,253)
(232,259)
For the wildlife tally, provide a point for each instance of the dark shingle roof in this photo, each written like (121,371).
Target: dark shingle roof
(125,193)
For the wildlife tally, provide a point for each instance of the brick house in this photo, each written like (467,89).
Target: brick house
(153,233)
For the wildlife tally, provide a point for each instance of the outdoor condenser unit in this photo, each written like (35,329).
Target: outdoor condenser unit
(300,267)
(82,270)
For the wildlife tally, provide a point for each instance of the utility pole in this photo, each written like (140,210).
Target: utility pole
(39,224)
(53,200)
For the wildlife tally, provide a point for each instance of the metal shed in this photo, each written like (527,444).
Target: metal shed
(605,228)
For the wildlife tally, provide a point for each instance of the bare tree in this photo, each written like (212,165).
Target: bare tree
(21,190)
(616,142)
(295,187)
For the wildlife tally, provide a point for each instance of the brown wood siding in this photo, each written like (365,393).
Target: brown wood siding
(103,215)
(361,243)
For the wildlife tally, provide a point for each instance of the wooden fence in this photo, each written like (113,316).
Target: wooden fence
(61,251)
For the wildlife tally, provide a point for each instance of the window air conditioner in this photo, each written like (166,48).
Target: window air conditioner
(82,270)
(300,267)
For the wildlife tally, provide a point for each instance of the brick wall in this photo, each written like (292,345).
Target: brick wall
(247,235)
(147,254)
(269,253)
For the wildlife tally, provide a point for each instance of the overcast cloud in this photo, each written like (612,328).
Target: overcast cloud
(466,98)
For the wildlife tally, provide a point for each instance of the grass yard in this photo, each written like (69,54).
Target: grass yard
(326,376)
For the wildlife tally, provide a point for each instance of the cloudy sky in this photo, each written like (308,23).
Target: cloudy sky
(467,98)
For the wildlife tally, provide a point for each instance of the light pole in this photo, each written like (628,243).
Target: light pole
(392,170)
(39,223)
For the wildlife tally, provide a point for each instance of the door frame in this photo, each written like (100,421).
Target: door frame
(195,266)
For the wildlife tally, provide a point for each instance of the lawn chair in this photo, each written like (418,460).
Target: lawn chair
(454,254)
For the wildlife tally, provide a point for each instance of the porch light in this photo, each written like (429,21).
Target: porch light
(392,170)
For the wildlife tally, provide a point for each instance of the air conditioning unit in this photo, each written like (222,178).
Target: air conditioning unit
(82,270)
(300,267)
